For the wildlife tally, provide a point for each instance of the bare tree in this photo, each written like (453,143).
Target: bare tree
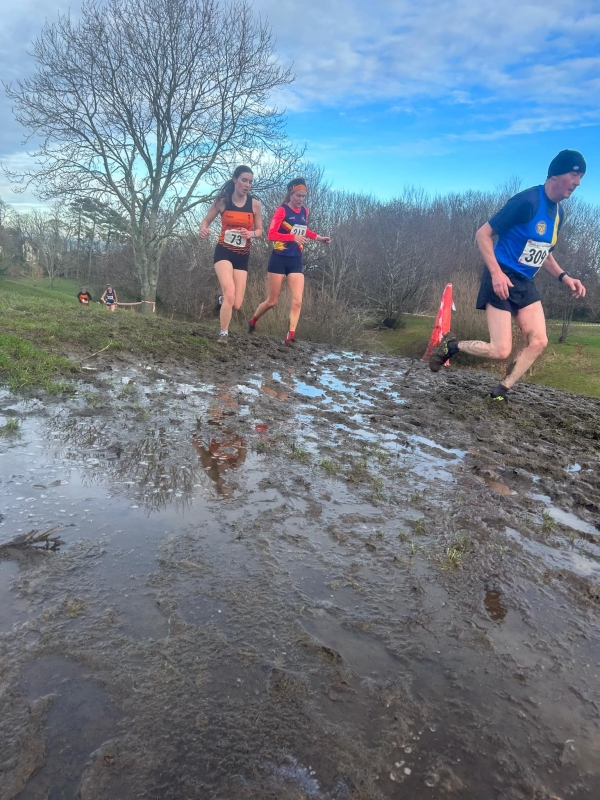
(147,104)
(49,234)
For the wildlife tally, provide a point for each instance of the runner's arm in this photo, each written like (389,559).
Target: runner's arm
(103,298)
(574,285)
(485,241)
(215,209)
(274,235)
(257,230)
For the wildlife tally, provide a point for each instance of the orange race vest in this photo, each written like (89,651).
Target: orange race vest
(232,219)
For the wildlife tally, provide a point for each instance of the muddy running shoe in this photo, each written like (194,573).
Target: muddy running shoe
(223,338)
(499,395)
(251,325)
(289,339)
(445,350)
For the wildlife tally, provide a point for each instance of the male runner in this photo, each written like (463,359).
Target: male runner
(527,229)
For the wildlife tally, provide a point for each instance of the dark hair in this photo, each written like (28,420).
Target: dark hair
(226,191)
(291,185)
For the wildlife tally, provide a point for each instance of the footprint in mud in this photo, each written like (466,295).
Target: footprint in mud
(494,607)
(499,488)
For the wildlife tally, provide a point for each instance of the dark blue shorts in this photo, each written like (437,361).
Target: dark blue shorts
(523,293)
(284,265)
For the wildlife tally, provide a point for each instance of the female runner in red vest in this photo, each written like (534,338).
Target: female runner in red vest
(289,232)
(241,221)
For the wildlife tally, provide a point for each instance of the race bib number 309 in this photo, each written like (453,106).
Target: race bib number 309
(534,253)
(234,238)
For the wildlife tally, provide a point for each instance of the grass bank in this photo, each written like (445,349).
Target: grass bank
(40,328)
(573,366)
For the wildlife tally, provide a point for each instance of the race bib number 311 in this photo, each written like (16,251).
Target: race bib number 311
(534,253)
(234,238)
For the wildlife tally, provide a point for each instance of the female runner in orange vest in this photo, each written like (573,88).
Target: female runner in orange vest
(241,221)
(289,233)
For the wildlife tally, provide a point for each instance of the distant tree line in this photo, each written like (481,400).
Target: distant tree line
(386,258)
(142,108)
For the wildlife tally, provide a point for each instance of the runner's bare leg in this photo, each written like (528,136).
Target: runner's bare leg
(500,344)
(275,282)
(532,322)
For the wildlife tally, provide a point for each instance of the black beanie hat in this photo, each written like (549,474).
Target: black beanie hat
(567,161)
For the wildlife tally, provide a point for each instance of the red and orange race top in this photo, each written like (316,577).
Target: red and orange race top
(288,222)
(232,220)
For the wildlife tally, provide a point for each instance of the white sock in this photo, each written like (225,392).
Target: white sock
(224,333)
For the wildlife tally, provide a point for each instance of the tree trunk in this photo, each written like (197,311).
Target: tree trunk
(147,264)
(91,248)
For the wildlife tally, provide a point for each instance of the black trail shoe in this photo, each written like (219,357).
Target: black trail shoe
(499,396)
(442,352)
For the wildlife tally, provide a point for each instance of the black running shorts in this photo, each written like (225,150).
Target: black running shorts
(284,265)
(237,260)
(523,293)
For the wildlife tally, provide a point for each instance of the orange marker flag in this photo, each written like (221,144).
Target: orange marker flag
(442,322)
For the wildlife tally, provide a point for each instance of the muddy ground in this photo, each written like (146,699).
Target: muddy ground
(299,574)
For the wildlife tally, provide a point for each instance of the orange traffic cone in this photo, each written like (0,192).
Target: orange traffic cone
(442,322)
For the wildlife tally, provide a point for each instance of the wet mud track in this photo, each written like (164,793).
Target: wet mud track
(299,574)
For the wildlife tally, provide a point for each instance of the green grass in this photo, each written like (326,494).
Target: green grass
(40,287)
(11,428)
(23,365)
(409,341)
(40,327)
(573,366)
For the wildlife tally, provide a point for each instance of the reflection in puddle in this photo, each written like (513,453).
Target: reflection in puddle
(567,517)
(580,563)
(494,607)
(228,452)
(154,468)
(268,390)
(308,391)
(228,399)
(422,440)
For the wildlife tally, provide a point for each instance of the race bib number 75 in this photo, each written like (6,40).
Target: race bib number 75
(234,238)
(534,253)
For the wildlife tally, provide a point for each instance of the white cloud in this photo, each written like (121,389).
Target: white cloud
(356,52)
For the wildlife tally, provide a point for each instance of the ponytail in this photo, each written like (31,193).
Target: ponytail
(226,191)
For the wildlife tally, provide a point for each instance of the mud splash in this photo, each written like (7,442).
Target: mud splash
(299,582)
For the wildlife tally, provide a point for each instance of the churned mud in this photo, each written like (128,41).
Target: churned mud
(299,574)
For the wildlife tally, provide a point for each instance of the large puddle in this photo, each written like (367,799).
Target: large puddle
(283,583)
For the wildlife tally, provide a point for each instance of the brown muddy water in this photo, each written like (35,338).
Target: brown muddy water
(299,574)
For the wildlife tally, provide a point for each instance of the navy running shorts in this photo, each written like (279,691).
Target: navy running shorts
(523,293)
(237,260)
(284,265)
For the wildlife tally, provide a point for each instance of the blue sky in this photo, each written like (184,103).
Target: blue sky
(443,95)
